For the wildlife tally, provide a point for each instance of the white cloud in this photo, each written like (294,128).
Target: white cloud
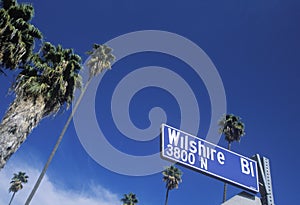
(49,193)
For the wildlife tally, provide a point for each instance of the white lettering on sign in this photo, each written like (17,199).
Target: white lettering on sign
(221,157)
(209,158)
(173,136)
(186,149)
(203,163)
(247,167)
(180,154)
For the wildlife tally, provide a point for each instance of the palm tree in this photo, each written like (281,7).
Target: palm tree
(172,177)
(233,129)
(129,199)
(16,183)
(99,60)
(17,34)
(45,86)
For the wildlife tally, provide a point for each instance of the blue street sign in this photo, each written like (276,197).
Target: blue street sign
(208,158)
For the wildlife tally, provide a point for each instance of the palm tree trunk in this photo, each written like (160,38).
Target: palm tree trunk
(225,184)
(37,184)
(12,197)
(23,115)
(167,196)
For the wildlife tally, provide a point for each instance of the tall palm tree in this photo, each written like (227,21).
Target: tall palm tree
(130,199)
(99,60)
(233,129)
(17,34)
(172,177)
(16,183)
(44,87)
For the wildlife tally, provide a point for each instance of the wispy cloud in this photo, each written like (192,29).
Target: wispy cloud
(50,193)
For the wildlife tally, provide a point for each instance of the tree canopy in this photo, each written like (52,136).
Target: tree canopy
(17,34)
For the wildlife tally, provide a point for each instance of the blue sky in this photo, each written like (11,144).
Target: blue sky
(254,46)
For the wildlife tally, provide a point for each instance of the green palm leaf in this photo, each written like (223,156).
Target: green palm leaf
(172,177)
(232,127)
(100,59)
(129,199)
(17,34)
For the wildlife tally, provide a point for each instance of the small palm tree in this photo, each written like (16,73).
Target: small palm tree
(17,34)
(100,59)
(233,129)
(172,177)
(16,183)
(129,199)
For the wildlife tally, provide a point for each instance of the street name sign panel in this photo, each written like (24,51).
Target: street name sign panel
(208,158)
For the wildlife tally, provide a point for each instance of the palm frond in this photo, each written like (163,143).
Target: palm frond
(52,73)
(17,181)
(100,59)
(232,127)
(172,177)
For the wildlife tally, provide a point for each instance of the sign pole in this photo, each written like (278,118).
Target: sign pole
(265,180)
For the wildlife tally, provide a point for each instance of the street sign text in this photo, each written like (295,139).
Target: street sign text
(208,158)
